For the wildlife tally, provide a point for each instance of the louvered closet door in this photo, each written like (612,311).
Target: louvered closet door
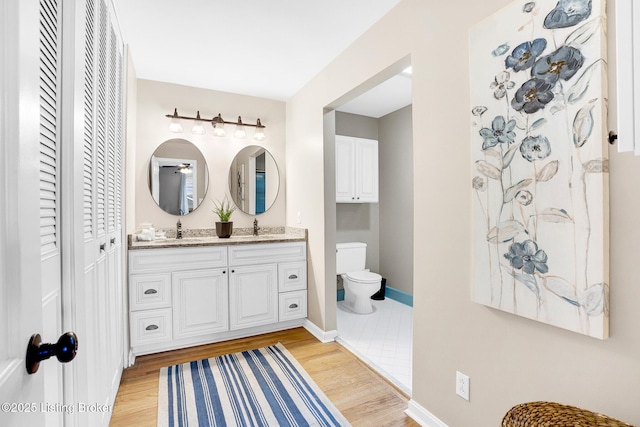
(102,198)
(114,152)
(50,192)
(91,315)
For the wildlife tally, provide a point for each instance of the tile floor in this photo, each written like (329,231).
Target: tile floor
(382,339)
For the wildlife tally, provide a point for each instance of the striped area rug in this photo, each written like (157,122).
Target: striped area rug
(262,387)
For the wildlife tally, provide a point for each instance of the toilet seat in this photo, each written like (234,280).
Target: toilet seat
(364,277)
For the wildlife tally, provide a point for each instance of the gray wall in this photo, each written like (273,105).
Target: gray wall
(359,222)
(395,136)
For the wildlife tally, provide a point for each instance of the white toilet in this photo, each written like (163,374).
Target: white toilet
(359,284)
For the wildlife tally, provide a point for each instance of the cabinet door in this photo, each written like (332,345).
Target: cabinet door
(366,170)
(200,302)
(253,295)
(345,173)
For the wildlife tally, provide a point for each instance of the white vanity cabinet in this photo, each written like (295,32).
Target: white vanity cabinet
(185,296)
(176,294)
(356,170)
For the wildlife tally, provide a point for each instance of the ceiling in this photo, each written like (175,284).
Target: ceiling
(268,49)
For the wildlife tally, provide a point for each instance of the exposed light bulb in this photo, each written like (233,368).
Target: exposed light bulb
(175,125)
(218,126)
(198,128)
(240,132)
(259,134)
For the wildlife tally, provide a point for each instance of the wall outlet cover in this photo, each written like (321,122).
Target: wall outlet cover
(462,385)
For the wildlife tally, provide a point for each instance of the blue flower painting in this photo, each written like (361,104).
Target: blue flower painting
(540,167)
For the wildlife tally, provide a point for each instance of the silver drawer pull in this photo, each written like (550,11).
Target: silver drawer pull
(293,277)
(151,327)
(293,306)
(150,292)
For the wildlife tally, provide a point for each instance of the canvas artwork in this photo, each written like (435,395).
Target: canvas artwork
(540,168)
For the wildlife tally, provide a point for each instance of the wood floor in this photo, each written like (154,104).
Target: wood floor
(362,395)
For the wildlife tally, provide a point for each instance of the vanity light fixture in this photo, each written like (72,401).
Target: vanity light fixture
(218,124)
(240,132)
(175,125)
(184,168)
(197,128)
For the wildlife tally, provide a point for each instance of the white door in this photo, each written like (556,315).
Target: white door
(253,296)
(345,173)
(97,116)
(49,166)
(366,170)
(200,302)
(29,207)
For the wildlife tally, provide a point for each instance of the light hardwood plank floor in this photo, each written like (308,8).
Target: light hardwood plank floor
(362,395)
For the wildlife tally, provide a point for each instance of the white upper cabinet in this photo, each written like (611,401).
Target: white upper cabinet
(356,170)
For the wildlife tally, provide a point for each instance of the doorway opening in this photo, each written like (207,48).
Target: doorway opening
(380,110)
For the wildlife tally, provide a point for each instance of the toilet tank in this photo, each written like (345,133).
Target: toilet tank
(350,257)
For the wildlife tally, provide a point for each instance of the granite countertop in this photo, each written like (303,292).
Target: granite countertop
(207,237)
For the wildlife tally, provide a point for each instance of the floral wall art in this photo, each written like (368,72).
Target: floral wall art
(540,167)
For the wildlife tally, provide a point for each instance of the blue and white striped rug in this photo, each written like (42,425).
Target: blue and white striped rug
(263,387)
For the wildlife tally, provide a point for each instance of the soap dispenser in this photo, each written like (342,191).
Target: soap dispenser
(179,230)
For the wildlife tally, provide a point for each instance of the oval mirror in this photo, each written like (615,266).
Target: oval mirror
(178,177)
(254,180)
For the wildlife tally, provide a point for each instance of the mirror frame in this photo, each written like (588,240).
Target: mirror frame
(237,177)
(164,158)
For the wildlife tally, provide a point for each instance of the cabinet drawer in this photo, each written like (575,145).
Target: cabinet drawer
(148,291)
(267,253)
(292,276)
(179,259)
(293,305)
(150,326)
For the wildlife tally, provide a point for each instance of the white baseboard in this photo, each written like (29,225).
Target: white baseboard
(422,416)
(321,335)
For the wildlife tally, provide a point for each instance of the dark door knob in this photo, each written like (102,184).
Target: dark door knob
(37,351)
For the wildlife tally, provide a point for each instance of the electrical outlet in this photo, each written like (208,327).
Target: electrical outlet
(299,218)
(462,385)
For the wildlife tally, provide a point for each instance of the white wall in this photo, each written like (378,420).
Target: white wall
(509,359)
(154,100)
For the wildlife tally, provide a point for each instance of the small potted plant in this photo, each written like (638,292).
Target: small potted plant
(224,227)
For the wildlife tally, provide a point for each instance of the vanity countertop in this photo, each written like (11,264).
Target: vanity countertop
(241,237)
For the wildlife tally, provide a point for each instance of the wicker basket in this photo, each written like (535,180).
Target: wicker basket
(550,414)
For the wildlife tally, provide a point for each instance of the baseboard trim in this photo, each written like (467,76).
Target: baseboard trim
(391,293)
(398,295)
(423,417)
(322,336)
